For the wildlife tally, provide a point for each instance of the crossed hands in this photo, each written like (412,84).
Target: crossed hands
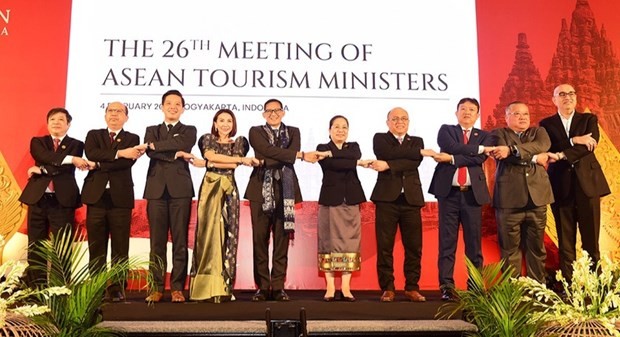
(314,156)
(587,140)
(498,152)
(250,161)
(132,152)
(83,164)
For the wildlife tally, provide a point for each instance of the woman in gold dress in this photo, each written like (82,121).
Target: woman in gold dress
(217,230)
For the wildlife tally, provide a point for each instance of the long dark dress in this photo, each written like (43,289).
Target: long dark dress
(217,231)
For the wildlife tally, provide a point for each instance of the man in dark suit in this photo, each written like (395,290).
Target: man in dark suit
(522,191)
(460,185)
(52,193)
(108,192)
(576,177)
(169,193)
(273,191)
(398,198)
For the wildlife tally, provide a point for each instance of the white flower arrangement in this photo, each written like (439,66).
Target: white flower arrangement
(12,298)
(593,294)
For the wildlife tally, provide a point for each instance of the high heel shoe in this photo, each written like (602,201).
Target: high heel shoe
(329,298)
(347,298)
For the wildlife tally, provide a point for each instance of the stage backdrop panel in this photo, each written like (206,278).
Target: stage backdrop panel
(321,58)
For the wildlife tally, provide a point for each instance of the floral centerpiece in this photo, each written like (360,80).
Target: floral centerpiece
(14,297)
(593,295)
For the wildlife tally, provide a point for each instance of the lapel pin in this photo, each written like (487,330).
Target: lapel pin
(63,147)
(476,134)
(118,140)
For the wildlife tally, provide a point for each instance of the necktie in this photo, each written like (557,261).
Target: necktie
(56,145)
(400,140)
(169,127)
(112,135)
(462,173)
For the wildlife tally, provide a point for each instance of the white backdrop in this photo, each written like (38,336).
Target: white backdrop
(422,56)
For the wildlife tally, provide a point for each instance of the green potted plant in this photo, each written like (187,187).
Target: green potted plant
(591,301)
(493,302)
(79,314)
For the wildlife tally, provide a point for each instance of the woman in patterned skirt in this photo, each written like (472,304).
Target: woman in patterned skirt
(339,229)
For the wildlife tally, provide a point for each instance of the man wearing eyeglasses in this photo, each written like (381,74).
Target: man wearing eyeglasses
(522,191)
(108,192)
(398,199)
(576,177)
(273,191)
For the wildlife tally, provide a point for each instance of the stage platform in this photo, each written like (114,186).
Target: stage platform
(365,317)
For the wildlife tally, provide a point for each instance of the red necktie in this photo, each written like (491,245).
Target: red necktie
(56,144)
(462,175)
(112,135)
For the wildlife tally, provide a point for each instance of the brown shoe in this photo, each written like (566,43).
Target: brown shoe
(414,296)
(154,297)
(388,296)
(177,296)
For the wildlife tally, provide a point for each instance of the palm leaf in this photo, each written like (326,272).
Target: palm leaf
(79,313)
(493,303)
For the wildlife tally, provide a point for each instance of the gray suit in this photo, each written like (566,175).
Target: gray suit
(521,195)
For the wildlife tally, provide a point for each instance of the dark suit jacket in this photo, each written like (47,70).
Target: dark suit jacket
(450,140)
(116,171)
(586,166)
(164,171)
(275,157)
(63,176)
(340,180)
(403,160)
(516,177)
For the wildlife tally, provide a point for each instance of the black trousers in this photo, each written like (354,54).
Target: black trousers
(104,221)
(390,216)
(577,213)
(263,225)
(458,208)
(46,216)
(169,215)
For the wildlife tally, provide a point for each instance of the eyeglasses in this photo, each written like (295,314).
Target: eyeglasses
(401,119)
(115,111)
(519,114)
(564,94)
(273,111)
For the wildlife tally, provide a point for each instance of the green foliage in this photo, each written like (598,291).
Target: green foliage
(493,303)
(79,314)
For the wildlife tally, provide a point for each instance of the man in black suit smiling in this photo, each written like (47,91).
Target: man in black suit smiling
(108,191)
(398,198)
(169,193)
(52,193)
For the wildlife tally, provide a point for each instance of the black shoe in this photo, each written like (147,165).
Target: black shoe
(117,296)
(280,295)
(447,294)
(260,296)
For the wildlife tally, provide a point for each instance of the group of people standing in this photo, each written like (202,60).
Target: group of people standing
(573,183)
